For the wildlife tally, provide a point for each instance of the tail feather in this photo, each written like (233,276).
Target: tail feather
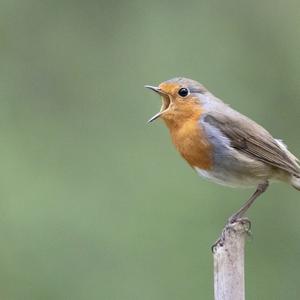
(295,181)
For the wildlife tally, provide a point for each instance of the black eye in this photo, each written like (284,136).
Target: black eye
(183,92)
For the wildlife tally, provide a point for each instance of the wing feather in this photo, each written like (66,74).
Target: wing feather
(253,140)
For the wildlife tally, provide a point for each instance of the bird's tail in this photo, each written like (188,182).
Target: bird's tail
(295,181)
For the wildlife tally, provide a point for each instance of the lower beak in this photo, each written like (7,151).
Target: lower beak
(165,104)
(155,117)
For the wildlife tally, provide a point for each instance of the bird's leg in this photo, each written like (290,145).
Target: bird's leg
(238,216)
(261,188)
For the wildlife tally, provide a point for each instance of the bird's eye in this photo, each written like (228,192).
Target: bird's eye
(183,92)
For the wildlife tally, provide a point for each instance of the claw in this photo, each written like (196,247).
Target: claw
(221,239)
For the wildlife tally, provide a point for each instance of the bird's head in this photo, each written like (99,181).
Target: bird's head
(181,99)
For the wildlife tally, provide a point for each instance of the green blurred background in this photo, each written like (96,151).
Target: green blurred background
(95,203)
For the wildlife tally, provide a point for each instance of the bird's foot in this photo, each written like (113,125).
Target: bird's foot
(230,226)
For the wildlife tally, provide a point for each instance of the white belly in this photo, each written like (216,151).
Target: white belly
(225,178)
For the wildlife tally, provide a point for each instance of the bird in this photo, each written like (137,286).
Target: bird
(220,143)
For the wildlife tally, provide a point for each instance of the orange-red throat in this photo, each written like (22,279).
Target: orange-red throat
(181,111)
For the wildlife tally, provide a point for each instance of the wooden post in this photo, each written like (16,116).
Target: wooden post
(229,278)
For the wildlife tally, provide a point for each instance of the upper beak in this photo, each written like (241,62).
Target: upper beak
(159,91)
(153,88)
(156,89)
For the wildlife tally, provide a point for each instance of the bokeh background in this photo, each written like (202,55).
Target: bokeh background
(95,203)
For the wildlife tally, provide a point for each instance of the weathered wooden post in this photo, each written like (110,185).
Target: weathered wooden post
(228,253)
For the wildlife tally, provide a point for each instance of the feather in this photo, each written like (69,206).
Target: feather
(253,140)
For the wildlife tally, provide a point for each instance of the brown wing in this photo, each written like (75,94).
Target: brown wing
(248,137)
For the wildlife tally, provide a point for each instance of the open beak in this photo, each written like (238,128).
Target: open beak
(165,101)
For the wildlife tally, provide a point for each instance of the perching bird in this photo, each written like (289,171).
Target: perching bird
(220,143)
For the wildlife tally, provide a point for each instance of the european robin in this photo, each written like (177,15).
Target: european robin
(220,143)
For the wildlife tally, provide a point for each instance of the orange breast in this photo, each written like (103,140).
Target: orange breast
(189,139)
